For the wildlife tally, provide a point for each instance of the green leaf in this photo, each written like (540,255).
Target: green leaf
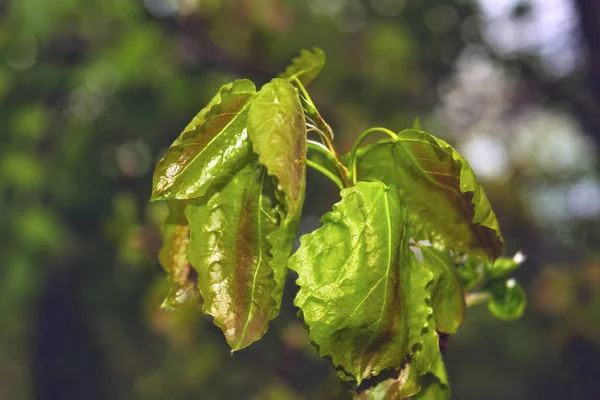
(508,299)
(402,384)
(434,385)
(173,257)
(448,299)
(182,297)
(230,251)
(278,132)
(305,67)
(503,266)
(362,293)
(211,149)
(472,270)
(175,244)
(446,203)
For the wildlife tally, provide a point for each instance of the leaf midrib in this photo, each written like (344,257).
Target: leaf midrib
(208,145)
(260,256)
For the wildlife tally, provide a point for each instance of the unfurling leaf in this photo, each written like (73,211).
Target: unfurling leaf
(211,149)
(173,257)
(504,266)
(448,300)
(278,132)
(231,253)
(306,66)
(362,293)
(472,270)
(446,203)
(508,299)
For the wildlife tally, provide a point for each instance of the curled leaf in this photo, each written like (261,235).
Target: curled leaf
(173,257)
(434,385)
(508,299)
(446,203)
(211,149)
(278,132)
(448,300)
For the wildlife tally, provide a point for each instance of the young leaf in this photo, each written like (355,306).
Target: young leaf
(508,299)
(305,67)
(182,298)
(230,251)
(278,132)
(211,148)
(472,270)
(434,385)
(448,300)
(362,295)
(446,203)
(174,260)
(401,385)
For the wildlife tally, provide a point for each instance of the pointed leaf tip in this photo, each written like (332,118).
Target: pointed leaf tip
(232,255)
(210,149)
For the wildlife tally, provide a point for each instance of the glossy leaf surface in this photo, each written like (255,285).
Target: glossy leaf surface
(446,203)
(448,300)
(278,132)
(362,295)
(211,149)
(231,254)
(508,299)
(306,66)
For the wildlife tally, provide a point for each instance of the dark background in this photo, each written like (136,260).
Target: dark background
(93,91)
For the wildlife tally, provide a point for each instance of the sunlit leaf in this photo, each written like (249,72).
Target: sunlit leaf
(182,297)
(508,299)
(362,293)
(448,300)
(173,257)
(278,132)
(175,244)
(306,66)
(446,203)
(230,251)
(211,148)
(402,384)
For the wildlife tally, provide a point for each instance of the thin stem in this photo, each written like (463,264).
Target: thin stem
(326,172)
(473,299)
(357,144)
(324,151)
(303,90)
(317,124)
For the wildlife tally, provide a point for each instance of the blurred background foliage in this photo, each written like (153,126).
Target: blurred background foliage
(93,91)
